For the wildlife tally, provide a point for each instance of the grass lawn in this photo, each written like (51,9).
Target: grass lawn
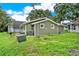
(39,46)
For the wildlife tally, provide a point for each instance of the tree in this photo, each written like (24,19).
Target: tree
(66,11)
(34,14)
(4,20)
(33,4)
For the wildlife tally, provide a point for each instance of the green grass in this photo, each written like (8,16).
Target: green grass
(39,45)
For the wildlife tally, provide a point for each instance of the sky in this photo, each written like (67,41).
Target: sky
(39,1)
(19,11)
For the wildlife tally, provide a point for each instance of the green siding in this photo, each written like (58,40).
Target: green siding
(28,29)
(61,29)
(47,30)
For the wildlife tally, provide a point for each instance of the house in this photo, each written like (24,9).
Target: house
(71,26)
(15,26)
(77,24)
(43,26)
(74,26)
(66,24)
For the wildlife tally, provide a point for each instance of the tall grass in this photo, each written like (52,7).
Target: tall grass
(39,46)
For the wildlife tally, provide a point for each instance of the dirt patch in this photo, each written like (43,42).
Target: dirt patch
(32,49)
(74,52)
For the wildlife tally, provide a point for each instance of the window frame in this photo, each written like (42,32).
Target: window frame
(43,25)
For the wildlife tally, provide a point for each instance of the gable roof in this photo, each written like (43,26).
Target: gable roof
(39,20)
(17,24)
(36,20)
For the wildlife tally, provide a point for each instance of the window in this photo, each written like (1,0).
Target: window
(52,26)
(73,27)
(32,27)
(42,26)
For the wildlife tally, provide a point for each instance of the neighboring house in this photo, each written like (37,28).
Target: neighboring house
(66,24)
(77,24)
(15,26)
(74,26)
(43,26)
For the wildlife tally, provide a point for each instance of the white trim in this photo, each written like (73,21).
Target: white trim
(53,21)
(46,20)
(39,21)
(43,25)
